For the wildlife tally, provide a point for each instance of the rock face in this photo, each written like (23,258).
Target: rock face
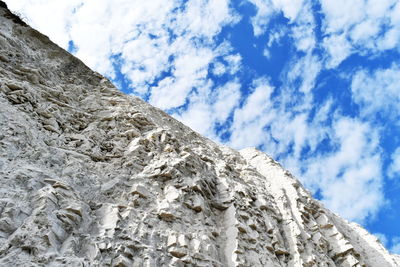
(92,177)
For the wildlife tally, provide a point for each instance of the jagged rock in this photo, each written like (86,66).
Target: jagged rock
(92,177)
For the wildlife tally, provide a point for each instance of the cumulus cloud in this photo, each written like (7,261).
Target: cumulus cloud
(250,119)
(299,14)
(233,62)
(297,72)
(377,91)
(266,9)
(219,68)
(293,129)
(347,26)
(290,8)
(210,107)
(188,72)
(350,172)
(359,26)
(350,164)
(338,49)
(263,16)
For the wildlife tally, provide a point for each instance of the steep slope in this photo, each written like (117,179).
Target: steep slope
(93,177)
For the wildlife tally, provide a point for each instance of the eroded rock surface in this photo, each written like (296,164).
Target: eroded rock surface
(92,177)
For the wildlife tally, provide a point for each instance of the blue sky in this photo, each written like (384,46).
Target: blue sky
(315,84)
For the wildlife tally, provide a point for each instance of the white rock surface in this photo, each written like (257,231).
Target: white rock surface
(92,177)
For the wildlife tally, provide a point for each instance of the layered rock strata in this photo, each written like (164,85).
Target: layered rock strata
(93,177)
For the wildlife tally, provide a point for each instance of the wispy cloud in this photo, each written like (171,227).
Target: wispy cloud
(359,26)
(290,8)
(250,119)
(352,161)
(188,71)
(210,107)
(263,16)
(377,91)
(351,171)
(298,13)
(338,49)
(266,9)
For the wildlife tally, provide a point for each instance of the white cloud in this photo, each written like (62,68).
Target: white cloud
(304,36)
(205,18)
(225,100)
(390,39)
(339,14)
(210,106)
(275,36)
(349,173)
(234,62)
(265,9)
(345,172)
(377,91)
(394,168)
(298,13)
(348,27)
(364,30)
(260,121)
(218,68)
(189,71)
(290,8)
(338,49)
(309,62)
(351,164)
(358,26)
(266,53)
(250,119)
(261,19)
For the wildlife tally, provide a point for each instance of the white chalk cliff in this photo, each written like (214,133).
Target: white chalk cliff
(93,177)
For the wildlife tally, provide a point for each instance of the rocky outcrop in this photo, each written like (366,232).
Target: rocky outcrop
(92,177)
